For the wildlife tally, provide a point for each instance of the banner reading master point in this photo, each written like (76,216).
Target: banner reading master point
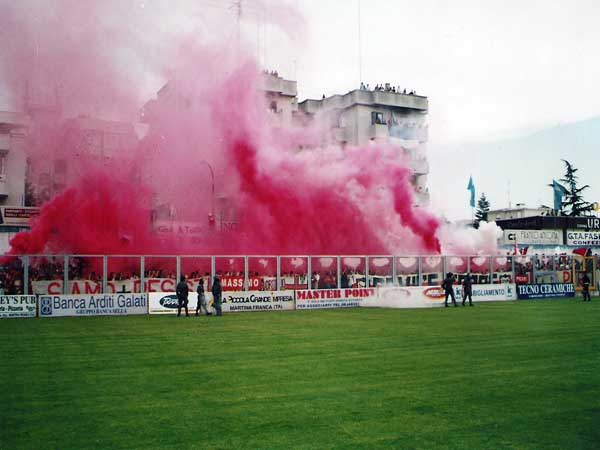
(17,306)
(333,298)
(93,305)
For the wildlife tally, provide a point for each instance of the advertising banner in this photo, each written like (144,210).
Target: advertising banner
(258,301)
(583,238)
(532,237)
(334,298)
(17,216)
(433,296)
(93,305)
(490,292)
(407,297)
(18,306)
(545,290)
(166,302)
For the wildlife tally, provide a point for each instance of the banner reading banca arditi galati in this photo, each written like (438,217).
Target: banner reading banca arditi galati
(93,305)
(18,306)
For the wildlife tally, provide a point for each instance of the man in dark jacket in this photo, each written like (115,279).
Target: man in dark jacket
(217,290)
(467,286)
(182,296)
(448,289)
(585,283)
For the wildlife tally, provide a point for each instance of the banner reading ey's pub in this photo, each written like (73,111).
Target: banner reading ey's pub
(18,306)
(93,305)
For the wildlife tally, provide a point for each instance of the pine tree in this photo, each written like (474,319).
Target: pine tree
(483,207)
(574,204)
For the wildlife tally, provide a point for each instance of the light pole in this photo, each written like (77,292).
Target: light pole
(212,198)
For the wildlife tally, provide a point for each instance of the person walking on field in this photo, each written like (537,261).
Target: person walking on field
(585,282)
(182,296)
(201,298)
(217,290)
(467,285)
(448,289)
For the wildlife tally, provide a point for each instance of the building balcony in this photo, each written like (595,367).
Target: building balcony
(3,186)
(272,83)
(420,166)
(422,198)
(339,134)
(367,98)
(379,132)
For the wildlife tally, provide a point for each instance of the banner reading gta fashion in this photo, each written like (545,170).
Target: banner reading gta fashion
(333,298)
(93,305)
(18,306)
(545,290)
(258,301)
(583,238)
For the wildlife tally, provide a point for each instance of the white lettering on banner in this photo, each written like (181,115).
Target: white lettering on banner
(93,305)
(428,297)
(163,302)
(583,238)
(533,237)
(12,306)
(333,298)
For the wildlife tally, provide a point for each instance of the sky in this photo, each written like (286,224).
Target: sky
(492,71)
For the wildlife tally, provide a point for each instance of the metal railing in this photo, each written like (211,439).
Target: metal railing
(65,274)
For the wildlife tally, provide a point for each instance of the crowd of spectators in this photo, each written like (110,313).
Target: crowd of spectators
(386,88)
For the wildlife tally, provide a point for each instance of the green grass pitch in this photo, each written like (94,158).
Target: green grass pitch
(518,375)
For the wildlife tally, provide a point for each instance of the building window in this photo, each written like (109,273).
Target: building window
(377,118)
(3,163)
(273,106)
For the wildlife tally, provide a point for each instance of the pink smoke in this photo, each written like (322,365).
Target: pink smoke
(322,200)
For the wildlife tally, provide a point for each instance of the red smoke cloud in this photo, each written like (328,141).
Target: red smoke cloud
(316,201)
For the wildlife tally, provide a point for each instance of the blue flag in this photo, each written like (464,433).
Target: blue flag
(471,187)
(559,192)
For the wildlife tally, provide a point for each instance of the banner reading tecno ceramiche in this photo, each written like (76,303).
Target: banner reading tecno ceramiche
(18,306)
(545,290)
(333,298)
(93,305)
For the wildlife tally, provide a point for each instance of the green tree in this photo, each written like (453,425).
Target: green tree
(573,203)
(481,213)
